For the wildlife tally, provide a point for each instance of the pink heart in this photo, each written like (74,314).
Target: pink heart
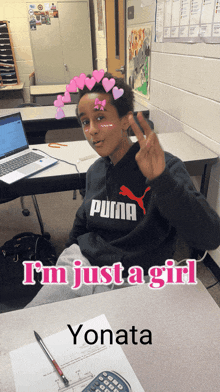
(71,88)
(90,83)
(59,114)
(108,83)
(58,103)
(67,97)
(117,93)
(80,80)
(98,75)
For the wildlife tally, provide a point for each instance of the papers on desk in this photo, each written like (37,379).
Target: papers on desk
(80,363)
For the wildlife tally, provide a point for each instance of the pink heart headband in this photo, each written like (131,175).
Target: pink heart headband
(79,82)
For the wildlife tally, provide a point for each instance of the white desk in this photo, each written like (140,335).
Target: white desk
(48,112)
(178,143)
(39,112)
(62,176)
(40,119)
(12,88)
(184,321)
(197,158)
(47,89)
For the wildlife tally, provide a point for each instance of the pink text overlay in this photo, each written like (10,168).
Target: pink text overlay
(159,276)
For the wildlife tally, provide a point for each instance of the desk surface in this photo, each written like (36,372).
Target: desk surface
(48,112)
(47,89)
(12,88)
(183,319)
(39,112)
(178,143)
(64,177)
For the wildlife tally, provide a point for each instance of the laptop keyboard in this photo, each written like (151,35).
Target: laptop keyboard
(16,163)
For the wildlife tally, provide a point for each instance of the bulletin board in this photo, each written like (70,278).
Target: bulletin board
(138,58)
(41,14)
(187,21)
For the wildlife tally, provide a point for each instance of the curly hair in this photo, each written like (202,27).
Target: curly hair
(123,105)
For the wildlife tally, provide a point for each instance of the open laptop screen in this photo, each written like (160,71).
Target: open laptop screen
(12,135)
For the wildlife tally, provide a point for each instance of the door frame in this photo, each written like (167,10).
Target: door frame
(124,37)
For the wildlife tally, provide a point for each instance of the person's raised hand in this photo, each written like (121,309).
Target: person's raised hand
(150,158)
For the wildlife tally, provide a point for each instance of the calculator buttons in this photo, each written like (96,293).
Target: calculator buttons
(108,381)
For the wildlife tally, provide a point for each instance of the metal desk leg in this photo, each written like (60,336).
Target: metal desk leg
(46,235)
(205,179)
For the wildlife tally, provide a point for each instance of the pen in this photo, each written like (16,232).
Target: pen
(87,157)
(52,360)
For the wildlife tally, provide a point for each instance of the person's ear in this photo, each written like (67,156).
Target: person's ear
(125,122)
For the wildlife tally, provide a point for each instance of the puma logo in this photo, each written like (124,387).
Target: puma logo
(126,192)
(113,210)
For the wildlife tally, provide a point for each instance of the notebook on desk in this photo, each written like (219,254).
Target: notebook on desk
(17,160)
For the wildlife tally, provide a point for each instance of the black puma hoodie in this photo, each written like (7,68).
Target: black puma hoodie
(126,218)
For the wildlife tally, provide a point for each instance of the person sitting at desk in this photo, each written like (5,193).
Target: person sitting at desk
(138,198)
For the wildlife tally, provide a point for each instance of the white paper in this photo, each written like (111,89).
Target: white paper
(159,21)
(167,13)
(196,6)
(217,12)
(207,11)
(188,21)
(175,13)
(216,30)
(206,30)
(184,12)
(80,363)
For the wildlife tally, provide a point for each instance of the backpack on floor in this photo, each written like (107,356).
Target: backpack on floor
(23,247)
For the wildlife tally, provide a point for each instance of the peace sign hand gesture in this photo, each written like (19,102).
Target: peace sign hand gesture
(150,158)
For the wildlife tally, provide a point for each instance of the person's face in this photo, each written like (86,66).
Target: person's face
(104,130)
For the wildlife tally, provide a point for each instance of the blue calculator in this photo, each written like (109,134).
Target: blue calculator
(108,382)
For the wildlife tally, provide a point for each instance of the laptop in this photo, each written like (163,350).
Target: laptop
(17,160)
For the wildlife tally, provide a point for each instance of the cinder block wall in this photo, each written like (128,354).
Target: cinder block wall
(185,92)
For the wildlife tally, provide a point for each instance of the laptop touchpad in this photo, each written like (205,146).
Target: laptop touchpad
(29,168)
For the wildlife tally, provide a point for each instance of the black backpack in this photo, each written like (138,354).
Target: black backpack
(23,247)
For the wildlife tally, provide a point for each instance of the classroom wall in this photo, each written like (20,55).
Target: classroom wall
(15,12)
(100,34)
(184,92)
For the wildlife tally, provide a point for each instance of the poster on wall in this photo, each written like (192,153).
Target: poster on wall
(138,59)
(188,21)
(41,14)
